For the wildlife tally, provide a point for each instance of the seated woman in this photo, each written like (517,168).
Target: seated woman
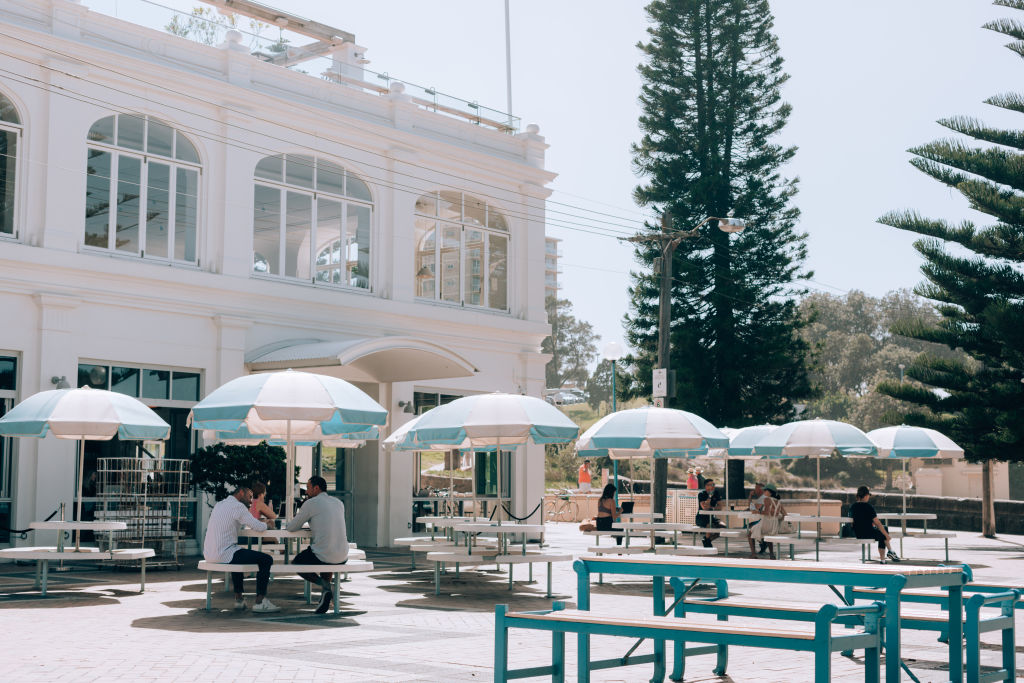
(259,508)
(771,513)
(607,512)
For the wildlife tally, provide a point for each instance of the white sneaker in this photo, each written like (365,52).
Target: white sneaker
(265,607)
(240,605)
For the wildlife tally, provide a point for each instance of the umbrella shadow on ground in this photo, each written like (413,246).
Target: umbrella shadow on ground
(228,620)
(58,598)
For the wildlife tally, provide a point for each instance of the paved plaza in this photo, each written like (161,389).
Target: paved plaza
(95,627)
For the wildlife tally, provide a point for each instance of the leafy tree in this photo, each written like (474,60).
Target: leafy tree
(599,384)
(220,468)
(572,344)
(711,115)
(207,26)
(975,274)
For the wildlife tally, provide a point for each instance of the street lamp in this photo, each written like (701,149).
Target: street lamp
(613,351)
(668,240)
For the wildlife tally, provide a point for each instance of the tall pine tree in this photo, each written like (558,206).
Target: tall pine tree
(711,111)
(979,286)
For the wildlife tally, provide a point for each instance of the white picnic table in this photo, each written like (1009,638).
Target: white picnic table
(63,526)
(502,531)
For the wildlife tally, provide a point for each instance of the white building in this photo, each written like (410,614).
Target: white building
(551,270)
(174,215)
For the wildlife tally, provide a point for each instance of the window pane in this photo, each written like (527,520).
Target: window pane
(97,199)
(329,267)
(186,203)
(427,204)
(296,238)
(330,177)
(450,236)
(158,194)
(126,237)
(8,157)
(357,232)
(271,168)
(7,111)
(357,189)
(185,150)
(129,131)
(94,376)
(185,386)
(476,212)
(298,170)
(495,220)
(266,238)
(124,380)
(160,139)
(426,269)
(155,383)
(8,373)
(473,254)
(497,273)
(102,130)
(451,205)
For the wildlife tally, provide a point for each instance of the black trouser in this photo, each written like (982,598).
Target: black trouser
(307,556)
(876,534)
(605,524)
(246,556)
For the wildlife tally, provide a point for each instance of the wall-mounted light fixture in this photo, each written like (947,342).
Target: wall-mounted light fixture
(406,406)
(61,382)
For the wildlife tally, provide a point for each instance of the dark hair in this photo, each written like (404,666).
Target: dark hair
(862,491)
(608,492)
(709,481)
(258,489)
(318,482)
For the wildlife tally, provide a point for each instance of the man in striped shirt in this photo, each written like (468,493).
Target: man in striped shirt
(221,546)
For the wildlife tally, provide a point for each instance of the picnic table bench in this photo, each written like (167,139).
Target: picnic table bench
(43,555)
(441,558)
(819,639)
(337,570)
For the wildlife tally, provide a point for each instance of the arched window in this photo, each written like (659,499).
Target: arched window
(142,190)
(311,221)
(461,251)
(10,136)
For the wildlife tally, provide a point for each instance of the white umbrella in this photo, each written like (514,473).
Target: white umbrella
(84,414)
(491,420)
(292,407)
(905,442)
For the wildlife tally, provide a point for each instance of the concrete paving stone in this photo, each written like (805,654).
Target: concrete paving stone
(394,629)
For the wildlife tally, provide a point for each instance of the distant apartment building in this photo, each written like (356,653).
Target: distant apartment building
(551,270)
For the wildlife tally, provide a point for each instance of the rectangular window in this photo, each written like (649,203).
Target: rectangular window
(158,208)
(186,209)
(329,267)
(124,380)
(156,383)
(426,257)
(451,237)
(473,255)
(486,469)
(94,376)
(97,199)
(497,273)
(267,230)
(185,386)
(129,178)
(296,239)
(358,233)
(8,373)
(8,159)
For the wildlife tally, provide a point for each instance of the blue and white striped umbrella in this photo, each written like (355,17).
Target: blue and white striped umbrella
(815,438)
(492,420)
(289,406)
(651,432)
(742,441)
(913,442)
(85,414)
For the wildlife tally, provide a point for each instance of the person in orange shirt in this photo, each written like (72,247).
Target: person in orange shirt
(584,476)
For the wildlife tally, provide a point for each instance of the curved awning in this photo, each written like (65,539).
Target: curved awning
(384,359)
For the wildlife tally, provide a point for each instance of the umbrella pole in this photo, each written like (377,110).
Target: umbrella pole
(81,475)
(651,505)
(451,482)
(903,520)
(817,541)
(289,474)
(725,475)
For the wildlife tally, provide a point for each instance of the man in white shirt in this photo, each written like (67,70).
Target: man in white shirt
(328,540)
(221,545)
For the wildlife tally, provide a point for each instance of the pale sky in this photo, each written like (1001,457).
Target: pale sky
(868,80)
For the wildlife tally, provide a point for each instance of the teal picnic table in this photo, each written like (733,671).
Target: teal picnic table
(892,578)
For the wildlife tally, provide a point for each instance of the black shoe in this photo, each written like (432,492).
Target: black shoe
(326,600)
(707,543)
(893,556)
(763,548)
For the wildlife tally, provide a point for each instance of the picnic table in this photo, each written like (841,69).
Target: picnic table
(67,526)
(502,531)
(894,579)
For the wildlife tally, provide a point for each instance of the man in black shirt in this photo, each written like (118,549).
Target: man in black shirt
(708,499)
(867,525)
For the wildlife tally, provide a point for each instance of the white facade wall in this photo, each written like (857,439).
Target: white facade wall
(64,303)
